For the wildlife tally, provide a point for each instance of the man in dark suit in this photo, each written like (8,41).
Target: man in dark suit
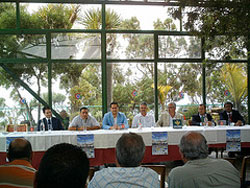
(49,122)
(202,117)
(231,116)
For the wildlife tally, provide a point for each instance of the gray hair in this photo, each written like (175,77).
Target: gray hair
(173,103)
(193,145)
(130,150)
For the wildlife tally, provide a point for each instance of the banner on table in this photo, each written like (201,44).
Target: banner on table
(233,140)
(86,142)
(159,143)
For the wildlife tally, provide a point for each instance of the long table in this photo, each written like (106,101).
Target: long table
(105,141)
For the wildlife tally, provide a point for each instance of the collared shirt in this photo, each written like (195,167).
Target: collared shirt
(125,177)
(166,120)
(108,120)
(204,173)
(79,122)
(18,173)
(146,121)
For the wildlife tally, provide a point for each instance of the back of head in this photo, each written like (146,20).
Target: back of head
(19,148)
(193,145)
(130,150)
(63,165)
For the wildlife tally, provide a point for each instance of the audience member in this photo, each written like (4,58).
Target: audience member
(231,116)
(50,122)
(166,118)
(114,119)
(143,118)
(130,150)
(63,165)
(202,118)
(65,119)
(84,121)
(199,170)
(19,171)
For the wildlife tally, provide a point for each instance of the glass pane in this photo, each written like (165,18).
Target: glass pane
(7,15)
(180,83)
(220,49)
(143,17)
(76,85)
(60,16)
(131,84)
(21,105)
(227,82)
(23,46)
(130,46)
(76,46)
(179,47)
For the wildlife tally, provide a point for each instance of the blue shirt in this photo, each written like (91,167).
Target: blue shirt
(134,177)
(108,120)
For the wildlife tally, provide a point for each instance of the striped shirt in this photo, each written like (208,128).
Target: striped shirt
(18,173)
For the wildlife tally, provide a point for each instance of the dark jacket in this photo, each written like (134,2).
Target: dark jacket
(56,124)
(196,119)
(235,116)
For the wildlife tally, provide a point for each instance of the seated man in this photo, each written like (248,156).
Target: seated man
(231,116)
(50,123)
(166,118)
(199,170)
(84,121)
(114,119)
(202,118)
(130,150)
(146,120)
(18,172)
(63,165)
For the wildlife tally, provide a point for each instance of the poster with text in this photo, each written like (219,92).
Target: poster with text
(233,140)
(86,142)
(159,143)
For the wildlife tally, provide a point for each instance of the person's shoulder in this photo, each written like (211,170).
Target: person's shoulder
(137,115)
(107,114)
(121,113)
(148,171)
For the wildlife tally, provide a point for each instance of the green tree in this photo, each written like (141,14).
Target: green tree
(92,19)
(235,79)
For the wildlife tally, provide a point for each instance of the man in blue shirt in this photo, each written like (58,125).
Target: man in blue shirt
(130,149)
(114,119)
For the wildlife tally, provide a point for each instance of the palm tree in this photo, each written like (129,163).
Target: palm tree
(235,79)
(92,19)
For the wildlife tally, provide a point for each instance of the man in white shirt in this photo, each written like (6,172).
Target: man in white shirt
(144,119)
(84,121)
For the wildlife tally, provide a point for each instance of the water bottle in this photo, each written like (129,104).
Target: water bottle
(205,120)
(42,126)
(139,124)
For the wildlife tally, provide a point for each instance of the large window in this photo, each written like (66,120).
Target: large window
(62,55)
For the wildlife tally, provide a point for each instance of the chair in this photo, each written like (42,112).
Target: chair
(245,161)
(232,160)
(92,171)
(160,169)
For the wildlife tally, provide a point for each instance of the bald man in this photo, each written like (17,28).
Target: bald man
(199,170)
(19,171)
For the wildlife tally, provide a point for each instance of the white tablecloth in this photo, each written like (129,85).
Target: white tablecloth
(41,141)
